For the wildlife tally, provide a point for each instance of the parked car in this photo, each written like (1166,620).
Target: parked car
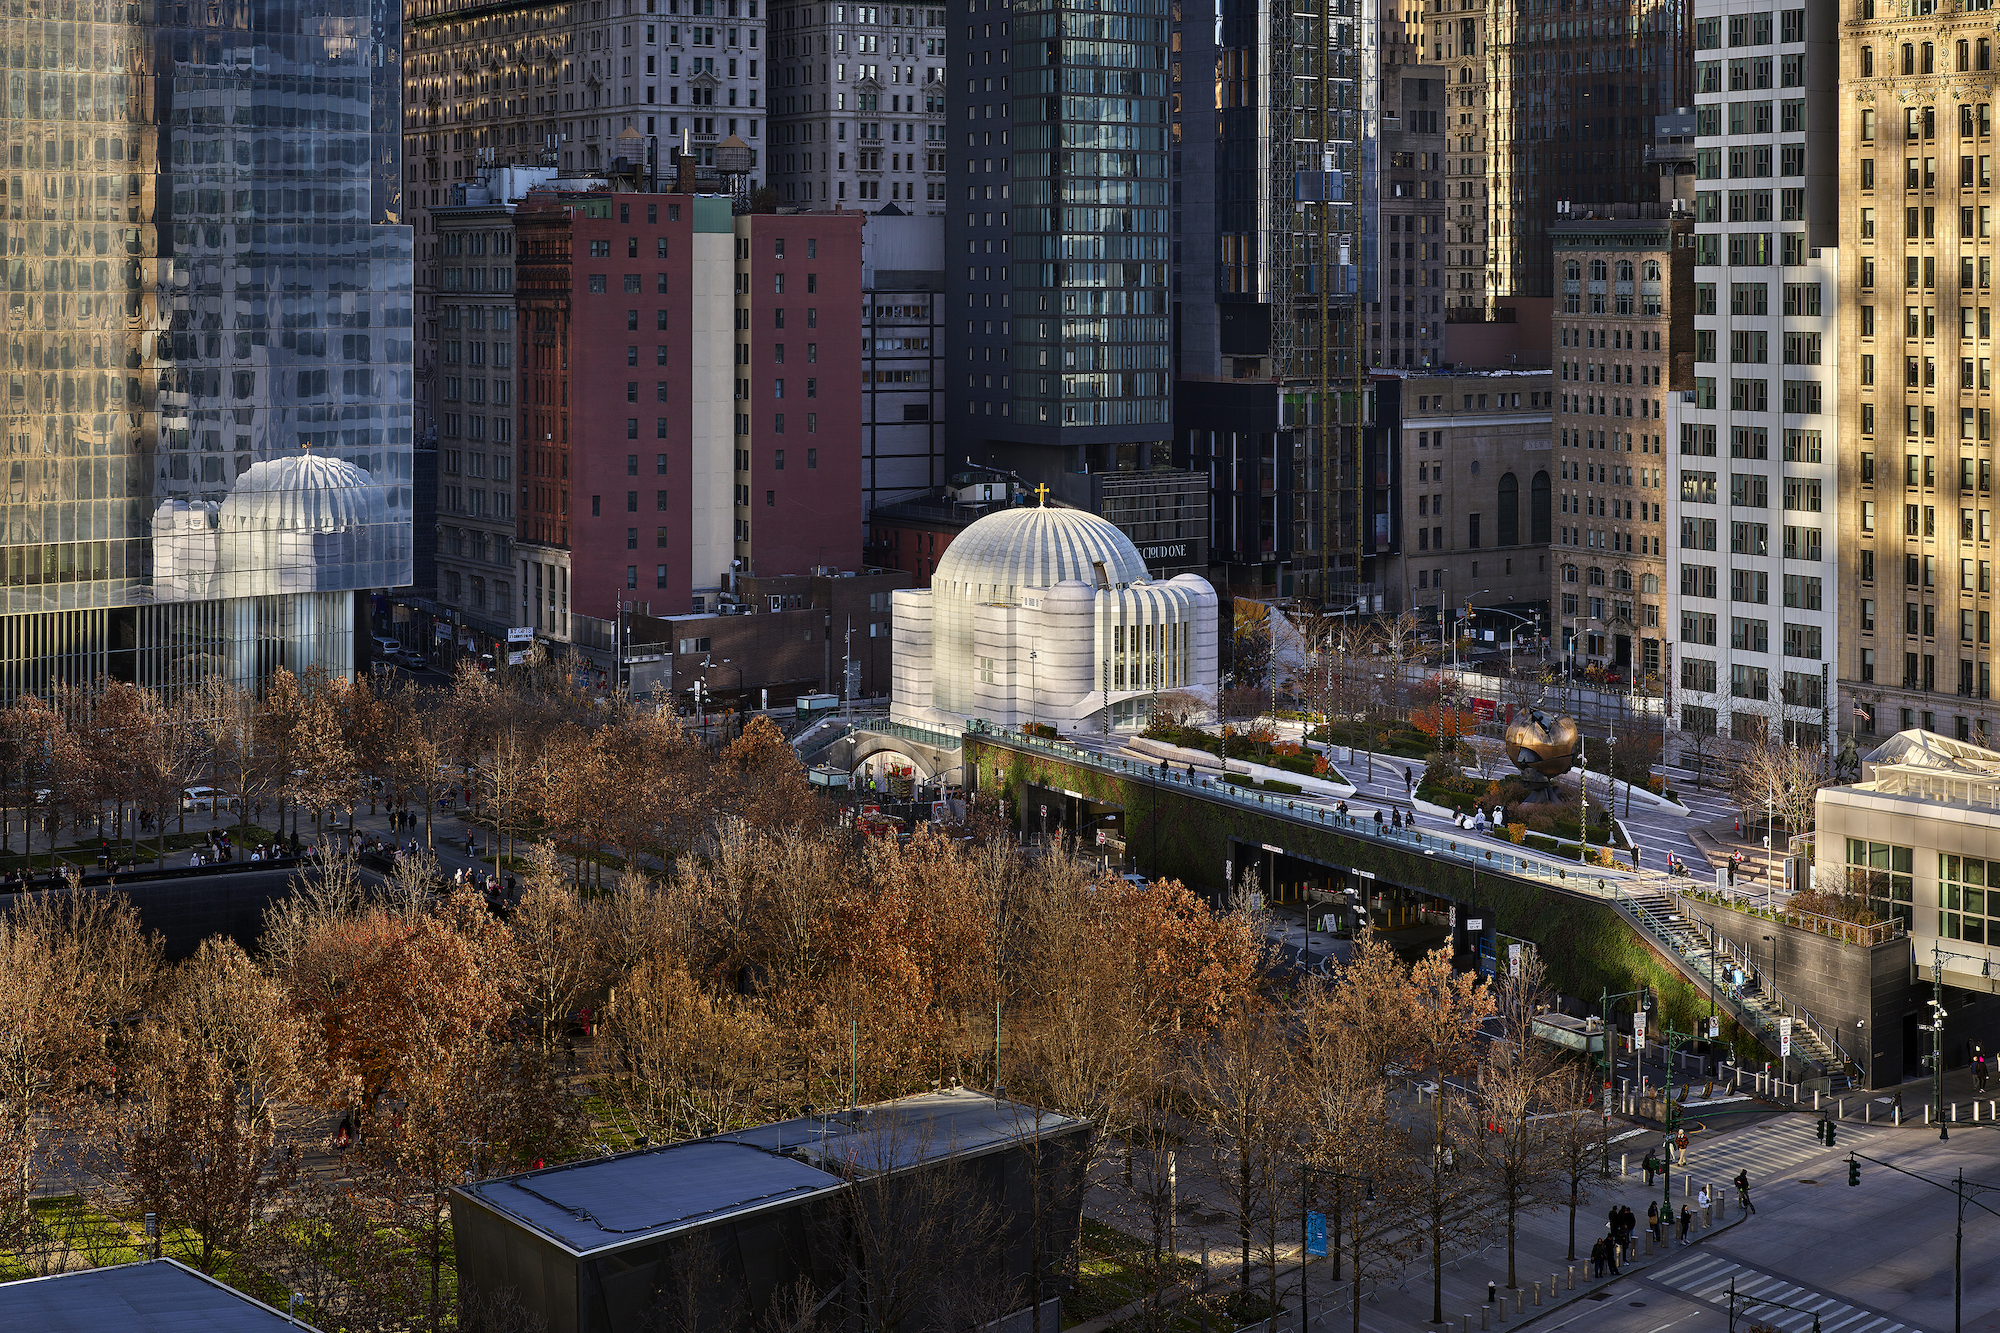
(386,647)
(209,799)
(411,658)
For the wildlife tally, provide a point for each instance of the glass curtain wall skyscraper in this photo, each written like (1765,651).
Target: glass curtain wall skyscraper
(1575,85)
(207,422)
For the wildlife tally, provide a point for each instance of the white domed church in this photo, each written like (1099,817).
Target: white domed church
(1047,615)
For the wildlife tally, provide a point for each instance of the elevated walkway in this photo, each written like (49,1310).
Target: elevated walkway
(1698,957)
(846,744)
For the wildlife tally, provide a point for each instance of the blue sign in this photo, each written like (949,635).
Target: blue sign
(1316,1235)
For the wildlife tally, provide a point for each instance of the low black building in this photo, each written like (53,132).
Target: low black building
(947,1207)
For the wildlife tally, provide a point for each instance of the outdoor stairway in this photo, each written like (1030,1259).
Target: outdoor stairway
(1660,921)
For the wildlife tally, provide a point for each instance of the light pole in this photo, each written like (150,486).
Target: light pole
(1604,1004)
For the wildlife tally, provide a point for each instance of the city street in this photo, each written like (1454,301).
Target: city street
(1872,1259)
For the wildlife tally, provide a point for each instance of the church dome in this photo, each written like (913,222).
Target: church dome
(1034,547)
(304,492)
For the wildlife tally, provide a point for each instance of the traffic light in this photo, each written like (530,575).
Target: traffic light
(1853,1172)
(1819,1130)
(1829,1133)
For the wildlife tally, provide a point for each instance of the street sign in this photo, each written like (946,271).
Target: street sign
(1714,1026)
(1100,837)
(1513,960)
(1785,1037)
(1475,923)
(1639,1027)
(521,634)
(1316,1235)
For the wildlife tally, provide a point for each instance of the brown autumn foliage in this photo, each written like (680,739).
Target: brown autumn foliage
(699,945)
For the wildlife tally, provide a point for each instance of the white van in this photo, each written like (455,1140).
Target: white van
(386,647)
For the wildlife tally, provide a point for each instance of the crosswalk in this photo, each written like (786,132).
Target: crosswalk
(1767,1151)
(1709,1277)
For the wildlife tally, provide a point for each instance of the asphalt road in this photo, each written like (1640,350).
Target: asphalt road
(1876,1258)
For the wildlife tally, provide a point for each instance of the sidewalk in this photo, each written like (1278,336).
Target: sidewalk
(1548,1278)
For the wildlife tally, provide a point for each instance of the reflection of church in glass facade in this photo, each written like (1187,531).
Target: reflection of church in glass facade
(207,412)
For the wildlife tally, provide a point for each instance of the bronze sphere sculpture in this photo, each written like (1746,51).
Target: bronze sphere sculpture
(1543,748)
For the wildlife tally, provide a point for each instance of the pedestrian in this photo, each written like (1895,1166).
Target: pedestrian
(1653,1219)
(1743,1192)
(1703,1200)
(1597,1258)
(1979,1069)
(1635,856)
(1652,1165)
(1687,1220)
(1409,780)
(1611,1248)
(1378,819)
(1629,1225)
(1395,816)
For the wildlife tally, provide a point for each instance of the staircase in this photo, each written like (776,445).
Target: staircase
(1757,1007)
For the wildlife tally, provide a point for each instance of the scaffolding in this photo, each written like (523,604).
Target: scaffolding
(1314,213)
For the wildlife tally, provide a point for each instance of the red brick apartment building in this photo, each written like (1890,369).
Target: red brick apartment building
(689,399)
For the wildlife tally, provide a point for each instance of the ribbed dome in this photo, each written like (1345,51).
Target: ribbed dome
(1034,548)
(304,492)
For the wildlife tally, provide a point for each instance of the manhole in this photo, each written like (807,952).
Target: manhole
(1808,1182)
(1637,1305)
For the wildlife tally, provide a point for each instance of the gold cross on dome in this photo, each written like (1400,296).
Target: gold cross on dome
(1042,494)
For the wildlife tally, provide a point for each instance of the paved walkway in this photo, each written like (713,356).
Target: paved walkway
(1768,1152)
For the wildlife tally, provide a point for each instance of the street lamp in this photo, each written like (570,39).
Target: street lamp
(1604,1004)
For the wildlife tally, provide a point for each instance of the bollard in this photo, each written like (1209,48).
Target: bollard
(1896,1115)
(1840,1108)
(1485,1316)
(1815,1099)
(1687,1182)
(1954,1113)
(1621,1164)
(1649,1245)
(1517,1300)
(1553,1288)
(1572,1277)
(1867,1112)
(1538,1292)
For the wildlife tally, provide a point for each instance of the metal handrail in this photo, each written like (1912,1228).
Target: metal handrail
(1585,884)
(1719,942)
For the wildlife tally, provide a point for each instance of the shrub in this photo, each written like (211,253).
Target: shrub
(1286,788)
(1042,729)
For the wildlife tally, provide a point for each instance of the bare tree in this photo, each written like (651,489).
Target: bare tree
(1573,1138)
(1784,779)
(191,1147)
(71,964)
(1239,1084)
(1444,1012)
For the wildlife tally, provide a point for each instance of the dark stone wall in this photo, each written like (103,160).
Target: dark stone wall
(186,907)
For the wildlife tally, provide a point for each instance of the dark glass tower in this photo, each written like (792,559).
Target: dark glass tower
(1056,238)
(207,420)
(1576,84)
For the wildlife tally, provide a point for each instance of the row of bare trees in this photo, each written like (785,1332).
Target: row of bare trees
(1407,1103)
(604,781)
(700,947)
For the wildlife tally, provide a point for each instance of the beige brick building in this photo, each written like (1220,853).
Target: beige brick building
(1471,491)
(1916,463)
(1623,342)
